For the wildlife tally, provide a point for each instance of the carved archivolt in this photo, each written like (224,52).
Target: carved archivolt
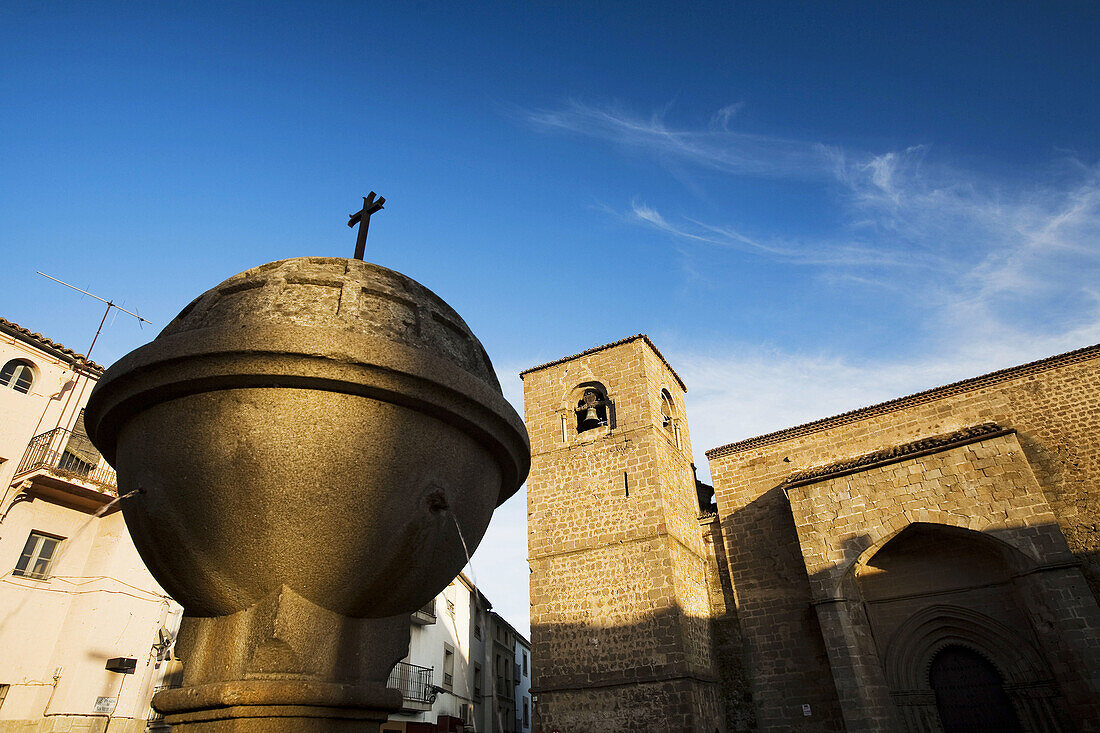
(910,652)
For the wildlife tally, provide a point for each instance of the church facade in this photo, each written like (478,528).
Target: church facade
(925,564)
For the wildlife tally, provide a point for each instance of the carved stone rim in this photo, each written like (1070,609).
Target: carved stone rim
(305,357)
(261,694)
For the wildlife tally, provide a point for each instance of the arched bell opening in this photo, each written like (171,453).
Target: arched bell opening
(592,407)
(668,411)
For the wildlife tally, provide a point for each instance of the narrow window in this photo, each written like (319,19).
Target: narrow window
(477,682)
(448,666)
(37,556)
(17,374)
(626,484)
(524,664)
(676,432)
(564,432)
(477,631)
(666,409)
(526,712)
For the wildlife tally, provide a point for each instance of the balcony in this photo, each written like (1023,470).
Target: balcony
(63,467)
(425,615)
(417,691)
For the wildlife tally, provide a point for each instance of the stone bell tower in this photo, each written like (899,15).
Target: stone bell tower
(619,609)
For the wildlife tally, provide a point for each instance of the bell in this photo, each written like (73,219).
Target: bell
(591,419)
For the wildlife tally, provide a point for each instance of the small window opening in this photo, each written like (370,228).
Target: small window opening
(17,374)
(626,484)
(591,410)
(37,556)
(448,666)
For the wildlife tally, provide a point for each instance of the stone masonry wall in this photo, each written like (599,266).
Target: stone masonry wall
(985,485)
(1054,407)
(619,617)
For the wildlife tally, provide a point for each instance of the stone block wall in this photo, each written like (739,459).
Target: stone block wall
(620,617)
(1035,486)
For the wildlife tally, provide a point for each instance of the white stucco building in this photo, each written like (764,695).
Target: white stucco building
(442,677)
(467,671)
(523,685)
(84,629)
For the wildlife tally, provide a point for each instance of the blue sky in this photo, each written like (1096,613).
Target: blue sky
(809,207)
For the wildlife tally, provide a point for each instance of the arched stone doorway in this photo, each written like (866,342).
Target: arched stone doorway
(954,636)
(970,694)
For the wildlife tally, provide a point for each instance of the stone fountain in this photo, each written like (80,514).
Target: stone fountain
(312,441)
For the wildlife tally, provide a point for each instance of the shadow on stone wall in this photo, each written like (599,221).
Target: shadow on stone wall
(658,673)
(888,610)
(784,662)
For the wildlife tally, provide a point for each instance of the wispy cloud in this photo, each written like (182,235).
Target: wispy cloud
(1005,270)
(816,253)
(719,148)
(721,118)
(740,391)
(985,251)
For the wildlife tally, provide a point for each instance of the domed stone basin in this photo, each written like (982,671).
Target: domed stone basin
(322,424)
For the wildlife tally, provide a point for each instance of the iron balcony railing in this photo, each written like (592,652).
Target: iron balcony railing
(425,615)
(68,454)
(414,682)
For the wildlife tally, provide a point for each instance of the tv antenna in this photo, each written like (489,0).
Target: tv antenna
(80,366)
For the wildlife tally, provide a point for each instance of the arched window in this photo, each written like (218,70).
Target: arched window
(17,374)
(666,408)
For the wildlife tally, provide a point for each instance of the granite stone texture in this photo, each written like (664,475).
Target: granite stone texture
(309,445)
(620,606)
(843,557)
(1006,463)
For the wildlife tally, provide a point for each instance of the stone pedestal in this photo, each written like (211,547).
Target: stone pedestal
(285,664)
(309,449)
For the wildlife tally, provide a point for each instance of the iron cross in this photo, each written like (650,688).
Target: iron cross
(362,218)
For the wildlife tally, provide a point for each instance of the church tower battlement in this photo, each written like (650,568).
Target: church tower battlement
(619,604)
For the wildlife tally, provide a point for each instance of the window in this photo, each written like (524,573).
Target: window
(38,555)
(3,694)
(451,607)
(477,682)
(18,374)
(666,408)
(448,666)
(526,712)
(477,631)
(524,664)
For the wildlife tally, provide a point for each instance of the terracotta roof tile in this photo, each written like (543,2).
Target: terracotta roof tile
(48,345)
(900,403)
(594,349)
(894,454)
